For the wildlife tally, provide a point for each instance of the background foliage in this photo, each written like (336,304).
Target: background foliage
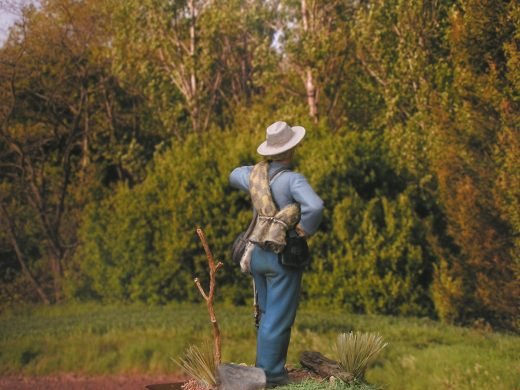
(120,123)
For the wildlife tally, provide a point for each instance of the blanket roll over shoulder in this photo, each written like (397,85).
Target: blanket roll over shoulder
(272,225)
(270,232)
(290,187)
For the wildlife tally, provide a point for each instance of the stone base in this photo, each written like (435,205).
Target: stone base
(237,377)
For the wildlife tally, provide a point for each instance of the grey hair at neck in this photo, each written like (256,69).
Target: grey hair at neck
(283,156)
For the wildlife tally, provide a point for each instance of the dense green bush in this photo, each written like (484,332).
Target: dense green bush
(140,244)
(371,254)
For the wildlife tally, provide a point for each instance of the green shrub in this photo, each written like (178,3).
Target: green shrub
(370,253)
(140,244)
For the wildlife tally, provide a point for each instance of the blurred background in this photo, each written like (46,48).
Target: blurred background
(120,122)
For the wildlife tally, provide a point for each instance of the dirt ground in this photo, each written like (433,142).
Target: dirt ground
(76,382)
(130,382)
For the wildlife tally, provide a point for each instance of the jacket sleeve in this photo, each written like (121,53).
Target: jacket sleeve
(311,204)
(239,178)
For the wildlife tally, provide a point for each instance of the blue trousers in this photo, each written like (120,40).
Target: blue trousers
(278,291)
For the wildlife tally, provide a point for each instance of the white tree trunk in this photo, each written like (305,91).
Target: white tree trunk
(310,86)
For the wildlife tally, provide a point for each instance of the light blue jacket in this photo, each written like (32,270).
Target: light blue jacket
(287,188)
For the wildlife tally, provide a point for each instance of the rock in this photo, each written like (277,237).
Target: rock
(237,377)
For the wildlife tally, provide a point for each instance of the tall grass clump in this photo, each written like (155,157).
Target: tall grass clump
(200,364)
(356,351)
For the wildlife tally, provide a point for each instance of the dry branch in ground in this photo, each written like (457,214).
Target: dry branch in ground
(208,297)
(324,366)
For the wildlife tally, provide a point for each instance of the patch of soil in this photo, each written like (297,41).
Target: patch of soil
(110,382)
(78,382)
(298,375)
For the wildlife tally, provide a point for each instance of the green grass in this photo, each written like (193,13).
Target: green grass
(326,385)
(92,339)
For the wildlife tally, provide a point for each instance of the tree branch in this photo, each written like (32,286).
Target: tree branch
(20,257)
(213,268)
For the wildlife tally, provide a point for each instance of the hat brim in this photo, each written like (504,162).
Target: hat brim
(266,150)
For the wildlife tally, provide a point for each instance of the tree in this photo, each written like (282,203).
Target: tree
(316,39)
(472,164)
(58,103)
(195,56)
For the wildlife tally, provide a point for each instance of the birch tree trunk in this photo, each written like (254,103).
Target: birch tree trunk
(310,87)
(193,96)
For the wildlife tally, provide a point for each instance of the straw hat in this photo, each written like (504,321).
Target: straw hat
(280,137)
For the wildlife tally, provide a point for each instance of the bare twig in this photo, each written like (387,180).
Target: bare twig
(208,297)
